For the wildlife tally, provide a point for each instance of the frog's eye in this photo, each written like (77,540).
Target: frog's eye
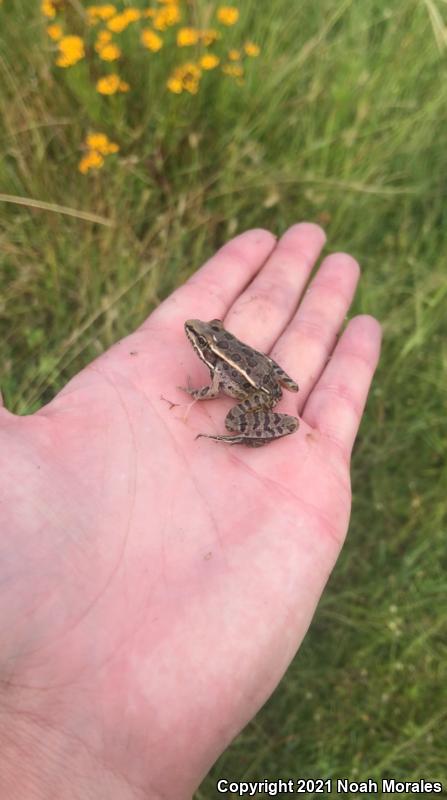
(201,341)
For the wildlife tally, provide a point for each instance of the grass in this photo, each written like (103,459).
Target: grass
(341,120)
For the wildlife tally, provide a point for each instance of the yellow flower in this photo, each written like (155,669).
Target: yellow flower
(91,160)
(235,70)
(234,55)
(71,50)
(209,36)
(104,37)
(48,9)
(101,143)
(191,85)
(132,14)
(118,23)
(108,52)
(164,17)
(151,40)
(209,61)
(228,15)
(175,85)
(187,36)
(55,32)
(252,49)
(185,77)
(111,84)
(100,12)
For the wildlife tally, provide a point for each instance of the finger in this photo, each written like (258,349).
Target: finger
(311,336)
(210,291)
(335,406)
(262,311)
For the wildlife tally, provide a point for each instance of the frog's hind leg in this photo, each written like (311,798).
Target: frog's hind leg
(283,378)
(255,428)
(260,427)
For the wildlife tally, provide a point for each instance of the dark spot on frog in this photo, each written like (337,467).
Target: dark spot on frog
(236,356)
(252,361)
(224,345)
(228,335)
(234,373)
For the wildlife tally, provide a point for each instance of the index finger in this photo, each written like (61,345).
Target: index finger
(213,288)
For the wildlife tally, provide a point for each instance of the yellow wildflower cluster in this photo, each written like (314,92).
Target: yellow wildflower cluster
(120,22)
(167,16)
(106,49)
(55,32)
(209,61)
(153,21)
(111,84)
(228,15)
(71,50)
(48,9)
(186,77)
(98,145)
(252,49)
(187,36)
(151,40)
(97,13)
(235,70)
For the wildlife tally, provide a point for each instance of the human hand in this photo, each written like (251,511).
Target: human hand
(155,588)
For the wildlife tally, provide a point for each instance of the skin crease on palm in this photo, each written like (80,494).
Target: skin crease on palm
(154,588)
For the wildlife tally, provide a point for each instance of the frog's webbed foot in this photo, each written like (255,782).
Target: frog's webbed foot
(235,439)
(284,379)
(189,389)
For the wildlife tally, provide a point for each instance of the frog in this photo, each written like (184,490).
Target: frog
(241,372)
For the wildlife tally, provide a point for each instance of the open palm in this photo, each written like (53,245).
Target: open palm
(157,586)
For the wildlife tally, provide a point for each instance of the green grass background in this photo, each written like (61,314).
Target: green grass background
(341,120)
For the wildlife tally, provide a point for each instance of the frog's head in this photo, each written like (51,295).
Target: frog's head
(203,337)
(202,334)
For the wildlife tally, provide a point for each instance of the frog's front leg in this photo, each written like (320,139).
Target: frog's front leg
(205,392)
